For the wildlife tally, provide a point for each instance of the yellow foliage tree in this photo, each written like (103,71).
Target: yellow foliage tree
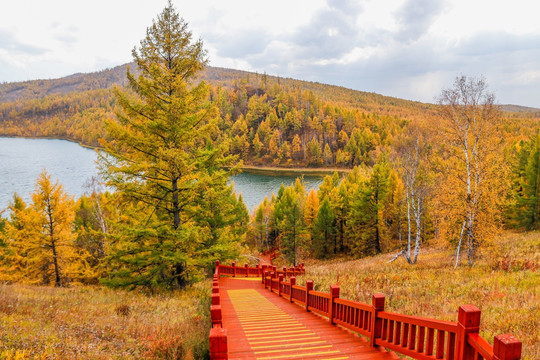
(472,181)
(41,238)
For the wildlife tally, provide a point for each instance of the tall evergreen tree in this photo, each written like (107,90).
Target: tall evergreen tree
(528,203)
(367,209)
(164,157)
(324,231)
(289,218)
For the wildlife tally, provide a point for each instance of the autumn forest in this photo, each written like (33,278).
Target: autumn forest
(170,131)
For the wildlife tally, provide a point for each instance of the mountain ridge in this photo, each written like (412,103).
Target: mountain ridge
(107,78)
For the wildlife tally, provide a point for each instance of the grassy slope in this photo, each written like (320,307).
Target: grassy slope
(506,289)
(100,323)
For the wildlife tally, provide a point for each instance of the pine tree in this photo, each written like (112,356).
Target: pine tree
(367,218)
(164,158)
(324,241)
(289,219)
(529,202)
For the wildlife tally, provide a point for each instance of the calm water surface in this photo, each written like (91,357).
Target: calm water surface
(21,161)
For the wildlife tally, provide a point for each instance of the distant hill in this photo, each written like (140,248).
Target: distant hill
(519,108)
(267,120)
(105,79)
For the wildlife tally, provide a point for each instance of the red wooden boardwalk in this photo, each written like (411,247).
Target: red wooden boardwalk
(273,318)
(261,325)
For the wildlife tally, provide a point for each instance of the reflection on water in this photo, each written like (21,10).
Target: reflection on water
(254,187)
(21,161)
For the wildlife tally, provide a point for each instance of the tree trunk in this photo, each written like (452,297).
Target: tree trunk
(418,216)
(57,278)
(342,247)
(408,254)
(459,245)
(175,204)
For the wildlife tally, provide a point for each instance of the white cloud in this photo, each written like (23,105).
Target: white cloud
(405,48)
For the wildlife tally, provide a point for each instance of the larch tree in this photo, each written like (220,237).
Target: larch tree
(311,207)
(471,163)
(41,237)
(165,158)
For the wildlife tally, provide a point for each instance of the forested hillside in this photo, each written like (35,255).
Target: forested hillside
(401,150)
(265,119)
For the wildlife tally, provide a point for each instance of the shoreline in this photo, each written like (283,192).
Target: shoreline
(272,170)
(254,169)
(52,138)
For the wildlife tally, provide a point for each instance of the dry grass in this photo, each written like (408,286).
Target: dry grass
(100,323)
(503,283)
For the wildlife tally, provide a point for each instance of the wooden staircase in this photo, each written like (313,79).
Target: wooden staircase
(257,314)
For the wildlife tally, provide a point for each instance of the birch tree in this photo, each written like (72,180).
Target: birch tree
(471,161)
(411,155)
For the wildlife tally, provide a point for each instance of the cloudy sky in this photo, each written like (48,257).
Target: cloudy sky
(405,48)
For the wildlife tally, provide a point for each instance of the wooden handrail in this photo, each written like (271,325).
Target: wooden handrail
(218,335)
(413,336)
(246,271)
(481,346)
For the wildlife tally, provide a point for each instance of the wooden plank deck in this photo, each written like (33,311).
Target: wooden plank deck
(262,325)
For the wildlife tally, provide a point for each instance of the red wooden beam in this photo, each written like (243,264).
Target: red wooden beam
(377,301)
(334,294)
(506,347)
(218,344)
(468,323)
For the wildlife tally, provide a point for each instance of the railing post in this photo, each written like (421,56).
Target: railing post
(293,282)
(234,269)
(334,294)
(215,313)
(468,322)
(264,278)
(506,347)
(280,280)
(247,269)
(215,299)
(218,344)
(377,301)
(309,287)
(259,273)
(217,267)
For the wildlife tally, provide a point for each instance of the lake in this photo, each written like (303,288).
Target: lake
(21,161)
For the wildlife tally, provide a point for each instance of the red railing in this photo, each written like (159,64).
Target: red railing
(218,335)
(246,271)
(416,337)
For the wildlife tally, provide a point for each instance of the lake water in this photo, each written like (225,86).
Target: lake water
(21,161)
